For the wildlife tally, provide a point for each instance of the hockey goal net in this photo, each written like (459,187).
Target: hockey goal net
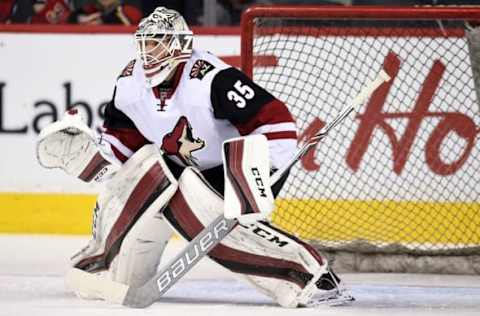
(395,187)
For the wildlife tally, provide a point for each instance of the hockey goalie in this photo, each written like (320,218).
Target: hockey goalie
(159,158)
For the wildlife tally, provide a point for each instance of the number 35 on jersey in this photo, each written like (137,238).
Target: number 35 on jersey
(240,94)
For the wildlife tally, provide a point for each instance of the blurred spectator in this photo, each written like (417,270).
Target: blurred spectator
(230,11)
(35,11)
(192,10)
(15,11)
(129,12)
(126,12)
(51,11)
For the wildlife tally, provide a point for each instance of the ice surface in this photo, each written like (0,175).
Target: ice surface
(31,283)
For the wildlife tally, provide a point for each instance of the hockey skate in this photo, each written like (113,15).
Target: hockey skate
(329,291)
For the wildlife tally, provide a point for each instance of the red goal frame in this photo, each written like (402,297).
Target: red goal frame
(341,12)
(263,35)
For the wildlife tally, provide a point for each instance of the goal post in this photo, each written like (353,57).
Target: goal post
(395,189)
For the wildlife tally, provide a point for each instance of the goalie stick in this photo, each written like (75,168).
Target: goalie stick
(212,235)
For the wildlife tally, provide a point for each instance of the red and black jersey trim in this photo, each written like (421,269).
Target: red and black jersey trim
(273,112)
(148,189)
(129,137)
(119,125)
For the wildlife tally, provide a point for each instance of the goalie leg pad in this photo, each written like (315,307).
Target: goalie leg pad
(127,220)
(141,250)
(290,265)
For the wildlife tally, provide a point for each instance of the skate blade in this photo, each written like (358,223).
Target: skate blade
(340,300)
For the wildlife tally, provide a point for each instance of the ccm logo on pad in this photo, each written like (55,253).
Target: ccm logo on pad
(258,181)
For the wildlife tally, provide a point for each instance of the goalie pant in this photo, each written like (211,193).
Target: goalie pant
(132,227)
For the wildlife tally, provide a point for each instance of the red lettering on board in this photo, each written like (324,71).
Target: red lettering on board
(374,117)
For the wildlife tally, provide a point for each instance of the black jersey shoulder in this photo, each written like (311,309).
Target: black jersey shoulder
(234,96)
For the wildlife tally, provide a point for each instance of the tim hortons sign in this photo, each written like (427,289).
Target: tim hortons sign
(375,117)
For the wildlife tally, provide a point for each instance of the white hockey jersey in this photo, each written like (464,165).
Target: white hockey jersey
(208,103)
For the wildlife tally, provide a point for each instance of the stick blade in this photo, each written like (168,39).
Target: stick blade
(81,281)
(142,297)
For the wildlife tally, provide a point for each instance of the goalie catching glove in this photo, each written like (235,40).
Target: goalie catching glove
(70,145)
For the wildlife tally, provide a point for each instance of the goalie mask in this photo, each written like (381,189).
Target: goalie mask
(163,42)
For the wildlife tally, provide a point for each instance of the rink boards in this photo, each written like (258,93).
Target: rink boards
(71,214)
(35,200)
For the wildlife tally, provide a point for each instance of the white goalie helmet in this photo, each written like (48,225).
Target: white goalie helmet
(163,40)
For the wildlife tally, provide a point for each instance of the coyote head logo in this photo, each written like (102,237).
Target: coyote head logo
(181,143)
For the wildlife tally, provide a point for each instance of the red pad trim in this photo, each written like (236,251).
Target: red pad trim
(140,194)
(235,160)
(133,209)
(186,219)
(93,168)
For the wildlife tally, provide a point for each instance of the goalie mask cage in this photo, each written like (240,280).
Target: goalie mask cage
(395,187)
